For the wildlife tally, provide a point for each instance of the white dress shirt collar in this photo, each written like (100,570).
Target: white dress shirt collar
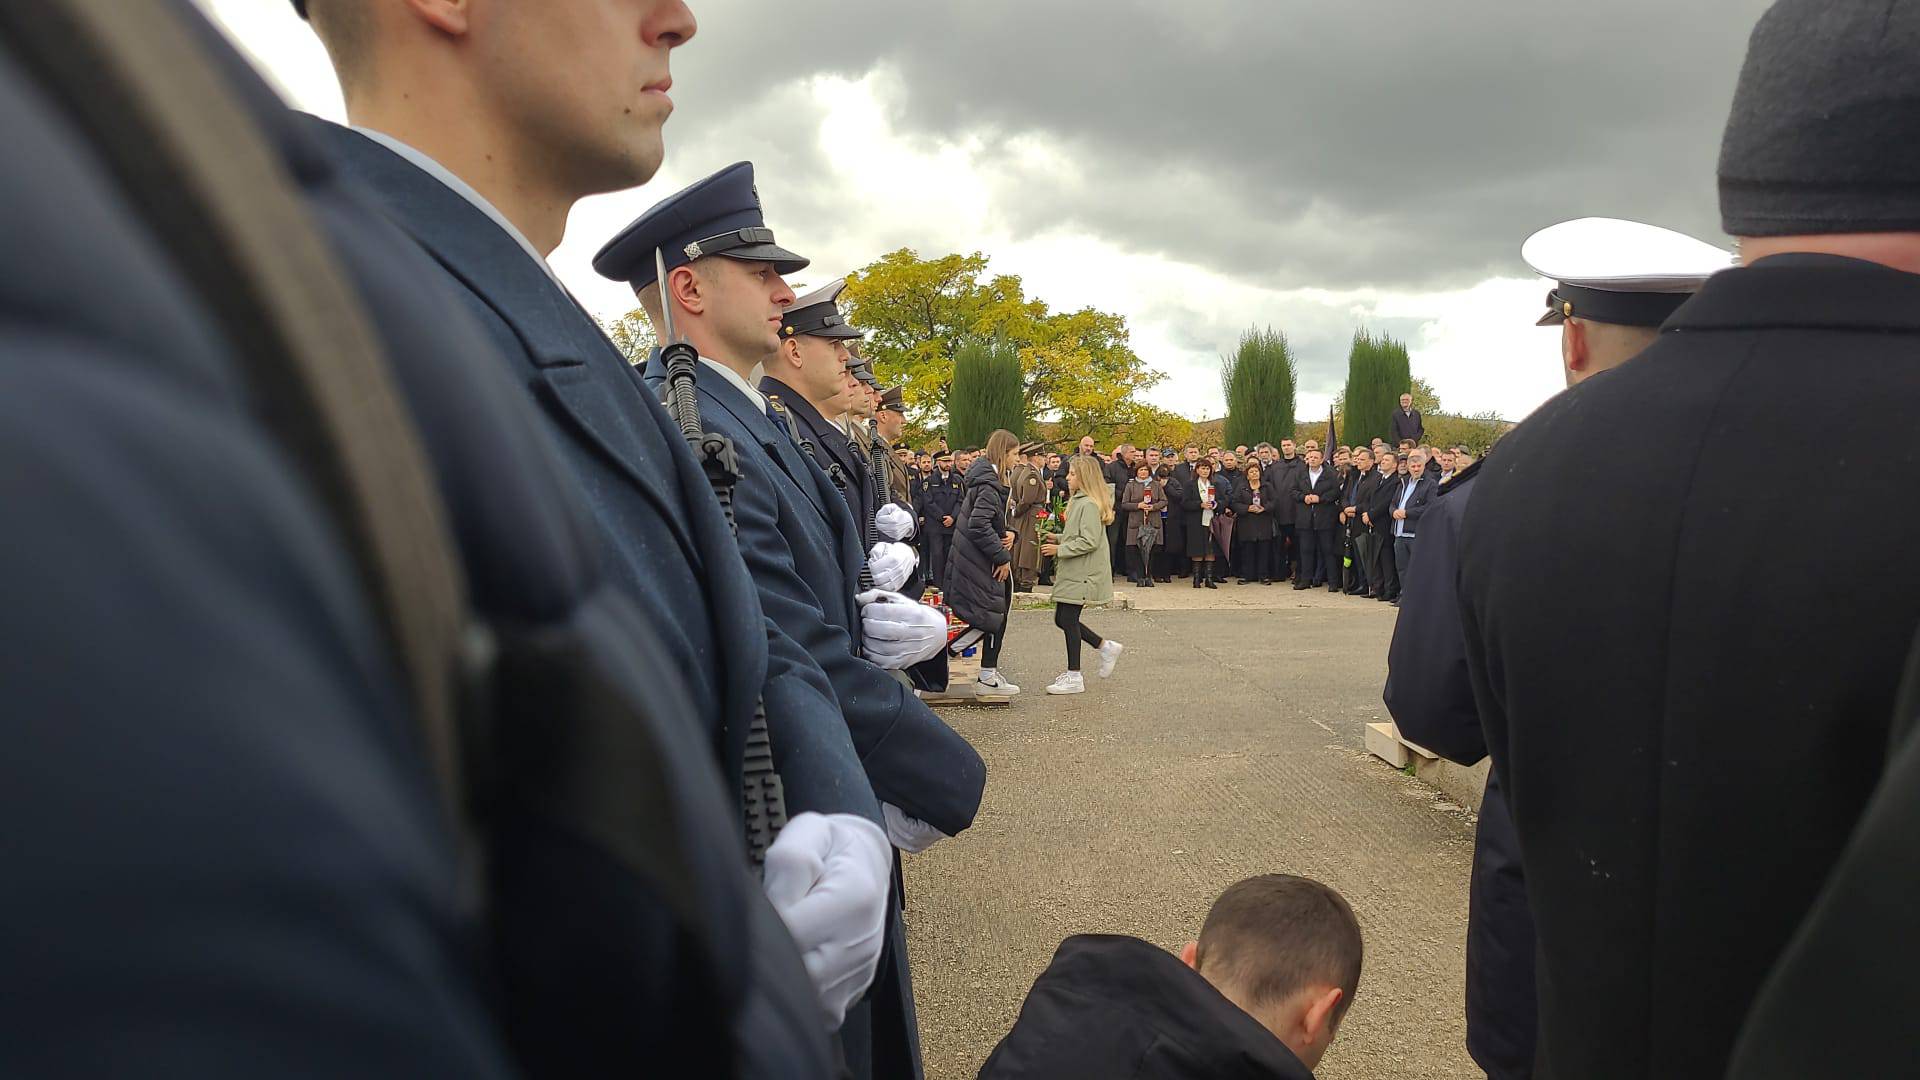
(461,188)
(745,386)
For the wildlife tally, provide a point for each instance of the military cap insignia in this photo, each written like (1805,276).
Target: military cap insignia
(692,250)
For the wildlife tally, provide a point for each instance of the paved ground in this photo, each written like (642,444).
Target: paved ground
(1228,743)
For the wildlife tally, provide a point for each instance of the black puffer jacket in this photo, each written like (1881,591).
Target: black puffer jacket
(972,591)
(1111,1007)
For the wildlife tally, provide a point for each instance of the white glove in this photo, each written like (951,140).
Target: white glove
(892,565)
(909,834)
(895,522)
(897,632)
(827,875)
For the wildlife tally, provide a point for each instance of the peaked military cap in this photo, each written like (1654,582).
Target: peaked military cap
(719,215)
(893,400)
(817,314)
(1620,272)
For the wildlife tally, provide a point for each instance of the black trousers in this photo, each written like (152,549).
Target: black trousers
(1402,556)
(1287,546)
(1067,618)
(939,542)
(1256,558)
(1117,542)
(1386,579)
(1319,555)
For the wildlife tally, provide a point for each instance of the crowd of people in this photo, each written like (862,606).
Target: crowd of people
(401,682)
(1267,514)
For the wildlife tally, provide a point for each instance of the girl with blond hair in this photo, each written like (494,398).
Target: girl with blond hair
(1083,570)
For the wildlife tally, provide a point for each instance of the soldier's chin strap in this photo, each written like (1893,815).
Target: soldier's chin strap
(762,794)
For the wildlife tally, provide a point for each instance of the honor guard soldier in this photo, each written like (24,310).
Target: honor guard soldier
(409,770)
(1026,494)
(939,504)
(798,538)
(1687,735)
(809,377)
(1624,279)
(451,167)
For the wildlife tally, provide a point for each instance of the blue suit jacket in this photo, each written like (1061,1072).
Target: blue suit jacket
(799,543)
(669,543)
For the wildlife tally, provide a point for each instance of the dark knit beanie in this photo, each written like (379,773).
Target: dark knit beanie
(1825,131)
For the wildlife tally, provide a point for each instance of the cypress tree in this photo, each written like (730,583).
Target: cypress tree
(1259,383)
(987,392)
(1378,372)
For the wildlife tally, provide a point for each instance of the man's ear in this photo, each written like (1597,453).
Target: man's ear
(683,290)
(790,353)
(1190,955)
(1317,1021)
(451,17)
(1573,346)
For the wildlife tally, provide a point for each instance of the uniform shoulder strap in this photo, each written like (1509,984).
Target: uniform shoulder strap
(140,83)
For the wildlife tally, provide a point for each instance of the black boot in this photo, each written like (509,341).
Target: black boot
(1213,577)
(1197,581)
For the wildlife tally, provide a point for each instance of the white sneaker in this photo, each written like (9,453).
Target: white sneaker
(1069,682)
(990,684)
(1110,651)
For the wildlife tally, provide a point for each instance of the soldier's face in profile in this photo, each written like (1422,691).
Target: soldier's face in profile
(744,302)
(589,79)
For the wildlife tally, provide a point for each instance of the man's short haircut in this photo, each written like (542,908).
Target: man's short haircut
(1272,936)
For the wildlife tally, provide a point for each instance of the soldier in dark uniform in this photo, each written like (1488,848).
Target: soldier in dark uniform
(800,543)
(939,504)
(808,376)
(1428,691)
(1688,739)
(274,790)
(438,162)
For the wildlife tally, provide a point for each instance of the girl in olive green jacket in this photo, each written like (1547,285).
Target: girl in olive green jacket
(1082,570)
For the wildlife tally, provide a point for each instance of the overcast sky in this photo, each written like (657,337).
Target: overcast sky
(1198,167)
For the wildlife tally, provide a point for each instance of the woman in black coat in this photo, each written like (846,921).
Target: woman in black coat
(1255,505)
(980,566)
(1200,499)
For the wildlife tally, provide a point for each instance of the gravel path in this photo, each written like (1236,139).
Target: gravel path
(1228,744)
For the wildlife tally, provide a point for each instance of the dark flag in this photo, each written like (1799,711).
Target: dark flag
(1333,437)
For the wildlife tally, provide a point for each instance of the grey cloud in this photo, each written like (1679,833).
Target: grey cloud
(1286,142)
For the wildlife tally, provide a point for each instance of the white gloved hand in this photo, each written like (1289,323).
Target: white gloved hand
(895,522)
(897,632)
(909,833)
(827,875)
(892,565)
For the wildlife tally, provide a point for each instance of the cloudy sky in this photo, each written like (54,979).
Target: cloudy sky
(1198,167)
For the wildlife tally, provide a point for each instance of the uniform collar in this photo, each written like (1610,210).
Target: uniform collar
(428,165)
(1804,291)
(745,386)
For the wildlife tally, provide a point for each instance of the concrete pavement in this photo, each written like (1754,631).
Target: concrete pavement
(1229,743)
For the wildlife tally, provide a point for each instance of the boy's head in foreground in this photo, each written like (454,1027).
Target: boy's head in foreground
(1286,950)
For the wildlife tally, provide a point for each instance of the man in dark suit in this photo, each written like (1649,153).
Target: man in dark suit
(483,186)
(1356,495)
(273,790)
(802,547)
(1406,425)
(1376,514)
(1657,853)
(1316,494)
